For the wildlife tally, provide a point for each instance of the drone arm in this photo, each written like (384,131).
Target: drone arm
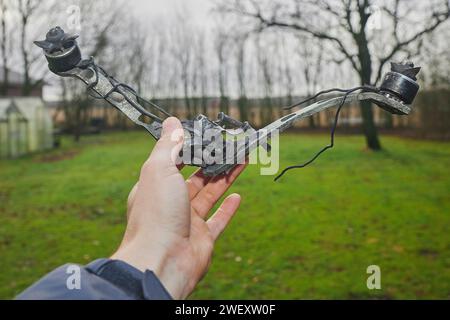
(388,103)
(121,99)
(260,137)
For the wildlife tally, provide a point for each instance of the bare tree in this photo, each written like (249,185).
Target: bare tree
(34,18)
(161,64)
(311,52)
(4,47)
(27,10)
(182,54)
(436,55)
(287,74)
(222,48)
(344,24)
(140,55)
(201,55)
(241,76)
(198,70)
(265,65)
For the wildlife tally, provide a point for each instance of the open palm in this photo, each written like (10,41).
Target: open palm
(168,231)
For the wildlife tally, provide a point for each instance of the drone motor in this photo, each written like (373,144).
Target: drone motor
(61,50)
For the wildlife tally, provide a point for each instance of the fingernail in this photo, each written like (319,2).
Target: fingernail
(169,125)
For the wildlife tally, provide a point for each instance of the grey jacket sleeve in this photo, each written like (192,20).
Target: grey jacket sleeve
(102,279)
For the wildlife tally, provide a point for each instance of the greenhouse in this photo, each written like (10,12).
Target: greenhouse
(25,127)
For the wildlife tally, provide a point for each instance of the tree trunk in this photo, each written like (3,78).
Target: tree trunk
(267,111)
(187,103)
(77,129)
(204,105)
(312,122)
(27,86)
(224,105)
(242,104)
(370,130)
(5,85)
(187,100)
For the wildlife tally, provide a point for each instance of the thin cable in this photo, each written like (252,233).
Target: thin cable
(333,130)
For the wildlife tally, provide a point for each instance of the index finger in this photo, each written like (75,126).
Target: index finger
(196,183)
(214,190)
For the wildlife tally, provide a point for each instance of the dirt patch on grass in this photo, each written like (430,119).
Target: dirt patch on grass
(56,157)
(4,195)
(427,252)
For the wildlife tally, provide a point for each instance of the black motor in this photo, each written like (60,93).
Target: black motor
(401,81)
(61,50)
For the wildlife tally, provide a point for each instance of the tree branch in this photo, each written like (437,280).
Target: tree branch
(439,19)
(266,23)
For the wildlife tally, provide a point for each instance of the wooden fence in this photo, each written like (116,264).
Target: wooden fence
(430,117)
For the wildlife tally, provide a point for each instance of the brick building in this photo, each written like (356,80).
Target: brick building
(15,82)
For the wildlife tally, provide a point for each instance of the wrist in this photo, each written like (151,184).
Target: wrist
(141,263)
(164,267)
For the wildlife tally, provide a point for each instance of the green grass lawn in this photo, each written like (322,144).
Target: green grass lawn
(312,235)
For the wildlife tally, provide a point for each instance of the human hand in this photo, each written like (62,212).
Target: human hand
(168,231)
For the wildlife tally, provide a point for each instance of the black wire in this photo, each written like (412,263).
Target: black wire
(333,129)
(132,91)
(116,87)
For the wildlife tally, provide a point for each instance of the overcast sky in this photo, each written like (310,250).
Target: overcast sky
(151,10)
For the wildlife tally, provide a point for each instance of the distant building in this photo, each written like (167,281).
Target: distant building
(15,83)
(25,122)
(25,126)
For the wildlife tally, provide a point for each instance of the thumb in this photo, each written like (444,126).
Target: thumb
(166,151)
